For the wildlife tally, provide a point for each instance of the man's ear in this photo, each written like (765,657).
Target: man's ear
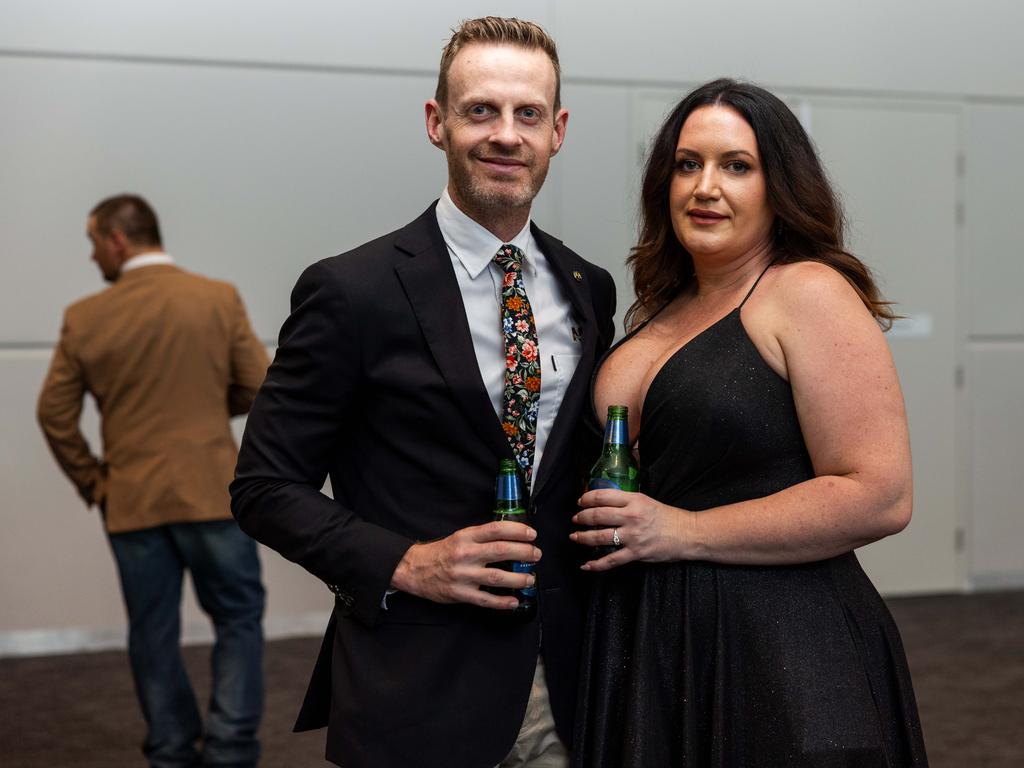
(561,121)
(118,241)
(434,115)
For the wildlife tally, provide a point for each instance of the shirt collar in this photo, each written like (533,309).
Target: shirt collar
(472,244)
(147,259)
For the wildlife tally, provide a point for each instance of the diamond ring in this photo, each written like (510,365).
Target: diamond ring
(615,538)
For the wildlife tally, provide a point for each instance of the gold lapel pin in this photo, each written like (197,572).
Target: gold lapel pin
(577,276)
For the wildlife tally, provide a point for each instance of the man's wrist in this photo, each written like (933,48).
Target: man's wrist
(412,569)
(402,575)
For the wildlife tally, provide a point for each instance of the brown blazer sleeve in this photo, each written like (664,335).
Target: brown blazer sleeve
(59,409)
(249,362)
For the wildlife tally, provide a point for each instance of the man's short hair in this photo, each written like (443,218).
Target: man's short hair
(131,215)
(495,30)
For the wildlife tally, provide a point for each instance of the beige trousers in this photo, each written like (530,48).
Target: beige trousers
(537,745)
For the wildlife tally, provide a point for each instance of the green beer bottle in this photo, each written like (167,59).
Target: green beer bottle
(508,505)
(616,467)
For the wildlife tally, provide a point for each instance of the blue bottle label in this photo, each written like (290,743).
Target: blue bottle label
(598,483)
(616,432)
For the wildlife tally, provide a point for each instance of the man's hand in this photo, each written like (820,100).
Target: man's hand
(453,569)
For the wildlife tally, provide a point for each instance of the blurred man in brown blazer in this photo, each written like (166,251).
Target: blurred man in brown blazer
(169,357)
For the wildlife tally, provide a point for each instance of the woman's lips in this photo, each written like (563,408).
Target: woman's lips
(700,216)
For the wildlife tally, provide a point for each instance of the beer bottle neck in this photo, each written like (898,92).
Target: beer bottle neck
(616,432)
(508,494)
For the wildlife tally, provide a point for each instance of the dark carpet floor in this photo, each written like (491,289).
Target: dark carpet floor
(966,655)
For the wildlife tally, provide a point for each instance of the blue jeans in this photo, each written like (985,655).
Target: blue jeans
(226,576)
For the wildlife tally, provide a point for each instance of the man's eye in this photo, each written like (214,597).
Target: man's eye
(530,113)
(479,110)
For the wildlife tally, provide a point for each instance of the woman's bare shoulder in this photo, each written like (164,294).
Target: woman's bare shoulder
(811,281)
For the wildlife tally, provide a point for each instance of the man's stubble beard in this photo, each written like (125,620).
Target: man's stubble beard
(493,198)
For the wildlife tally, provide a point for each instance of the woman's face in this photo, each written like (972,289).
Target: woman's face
(717,197)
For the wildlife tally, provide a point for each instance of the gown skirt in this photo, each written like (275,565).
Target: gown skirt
(705,665)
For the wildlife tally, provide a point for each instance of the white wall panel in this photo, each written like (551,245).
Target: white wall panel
(395,34)
(874,45)
(254,174)
(56,569)
(996,534)
(273,134)
(901,204)
(994,258)
(597,176)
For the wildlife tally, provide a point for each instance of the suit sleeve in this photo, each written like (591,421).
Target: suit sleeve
(248,361)
(290,436)
(59,410)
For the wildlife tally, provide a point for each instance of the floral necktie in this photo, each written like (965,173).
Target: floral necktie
(521,396)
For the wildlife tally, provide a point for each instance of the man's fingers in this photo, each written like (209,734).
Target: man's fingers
(465,550)
(501,531)
(456,568)
(474,590)
(498,578)
(508,551)
(487,600)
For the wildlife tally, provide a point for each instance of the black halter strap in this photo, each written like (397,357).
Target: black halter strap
(755,285)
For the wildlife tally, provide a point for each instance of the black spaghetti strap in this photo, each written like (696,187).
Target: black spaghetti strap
(648,319)
(755,284)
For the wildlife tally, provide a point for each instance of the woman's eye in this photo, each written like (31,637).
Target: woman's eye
(687,165)
(737,166)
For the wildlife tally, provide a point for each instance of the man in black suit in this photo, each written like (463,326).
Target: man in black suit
(408,368)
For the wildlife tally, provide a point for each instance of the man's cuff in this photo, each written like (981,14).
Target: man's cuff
(347,599)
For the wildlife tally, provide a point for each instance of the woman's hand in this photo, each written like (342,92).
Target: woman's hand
(647,529)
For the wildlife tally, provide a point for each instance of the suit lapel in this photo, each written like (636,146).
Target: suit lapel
(433,291)
(569,269)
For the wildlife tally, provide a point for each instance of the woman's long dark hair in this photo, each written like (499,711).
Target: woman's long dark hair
(808,219)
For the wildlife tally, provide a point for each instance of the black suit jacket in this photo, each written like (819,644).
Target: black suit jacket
(375,383)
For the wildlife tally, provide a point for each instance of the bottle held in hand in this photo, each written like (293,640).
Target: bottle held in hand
(508,505)
(615,468)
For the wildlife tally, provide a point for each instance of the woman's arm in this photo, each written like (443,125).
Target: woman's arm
(822,338)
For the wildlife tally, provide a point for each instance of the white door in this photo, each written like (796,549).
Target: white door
(896,169)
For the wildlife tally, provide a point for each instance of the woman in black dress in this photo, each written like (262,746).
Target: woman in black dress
(734,626)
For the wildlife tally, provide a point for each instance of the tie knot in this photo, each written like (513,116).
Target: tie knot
(509,258)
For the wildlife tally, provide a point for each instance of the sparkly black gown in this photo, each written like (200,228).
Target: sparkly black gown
(704,665)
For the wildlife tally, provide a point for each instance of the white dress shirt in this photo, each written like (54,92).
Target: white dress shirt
(147,259)
(472,249)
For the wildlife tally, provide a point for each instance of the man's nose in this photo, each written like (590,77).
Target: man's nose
(506,132)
